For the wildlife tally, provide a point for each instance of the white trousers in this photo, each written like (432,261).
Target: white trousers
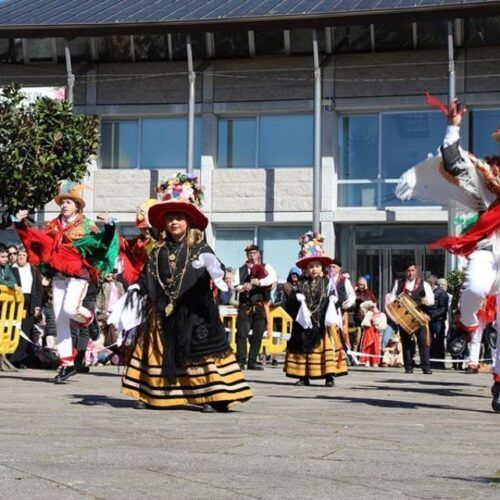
(67,296)
(496,353)
(480,276)
(475,346)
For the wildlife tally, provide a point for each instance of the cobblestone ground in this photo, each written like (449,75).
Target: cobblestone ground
(378,434)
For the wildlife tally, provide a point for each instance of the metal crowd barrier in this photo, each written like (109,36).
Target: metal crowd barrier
(11,314)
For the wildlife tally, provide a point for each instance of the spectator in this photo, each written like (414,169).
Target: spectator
(291,285)
(6,277)
(374,322)
(12,249)
(228,298)
(363,294)
(111,291)
(393,356)
(30,281)
(437,324)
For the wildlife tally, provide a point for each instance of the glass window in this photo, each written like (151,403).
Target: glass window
(280,246)
(352,39)
(432,34)
(389,199)
(393,36)
(393,235)
(481,31)
(236,142)
(164,142)
(231,45)
(179,50)
(269,42)
(230,245)
(119,144)
(4,50)
(286,141)
(150,47)
(301,41)
(358,147)
(358,195)
(79,48)
(483,123)
(407,139)
(114,48)
(40,49)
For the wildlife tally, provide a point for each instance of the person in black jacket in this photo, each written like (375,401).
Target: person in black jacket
(437,324)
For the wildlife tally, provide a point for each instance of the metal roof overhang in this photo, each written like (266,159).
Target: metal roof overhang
(238,24)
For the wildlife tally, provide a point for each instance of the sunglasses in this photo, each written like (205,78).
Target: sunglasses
(12,253)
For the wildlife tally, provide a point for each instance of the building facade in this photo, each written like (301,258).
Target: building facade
(254,125)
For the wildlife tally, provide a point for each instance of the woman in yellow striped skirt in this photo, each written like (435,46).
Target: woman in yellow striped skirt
(314,350)
(182,355)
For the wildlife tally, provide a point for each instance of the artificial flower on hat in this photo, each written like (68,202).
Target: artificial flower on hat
(181,193)
(71,190)
(312,248)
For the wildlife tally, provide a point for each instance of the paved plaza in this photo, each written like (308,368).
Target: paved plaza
(378,434)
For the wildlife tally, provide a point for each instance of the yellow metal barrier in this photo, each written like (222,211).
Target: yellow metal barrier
(11,314)
(279,323)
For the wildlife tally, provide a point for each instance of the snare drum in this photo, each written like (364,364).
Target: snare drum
(405,313)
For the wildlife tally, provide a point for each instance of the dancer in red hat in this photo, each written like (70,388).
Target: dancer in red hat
(182,354)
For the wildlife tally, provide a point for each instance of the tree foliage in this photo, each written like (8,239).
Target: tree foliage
(456,280)
(41,144)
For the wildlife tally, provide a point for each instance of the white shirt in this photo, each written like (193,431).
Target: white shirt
(349,290)
(410,285)
(269,280)
(26,277)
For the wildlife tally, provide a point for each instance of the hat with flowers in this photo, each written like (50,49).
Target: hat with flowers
(312,248)
(179,194)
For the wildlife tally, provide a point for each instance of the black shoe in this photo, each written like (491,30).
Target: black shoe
(408,370)
(255,367)
(206,408)
(329,382)
(302,381)
(64,373)
(470,370)
(140,405)
(428,371)
(241,365)
(495,392)
(82,368)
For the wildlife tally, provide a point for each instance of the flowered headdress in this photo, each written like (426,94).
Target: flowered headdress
(183,194)
(71,190)
(141,220)
(311,248)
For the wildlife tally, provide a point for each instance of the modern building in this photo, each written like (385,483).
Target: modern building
(254,129)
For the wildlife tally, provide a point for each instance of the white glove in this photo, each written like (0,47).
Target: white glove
(332,317)
(300,297)
(210,262)
(304,315)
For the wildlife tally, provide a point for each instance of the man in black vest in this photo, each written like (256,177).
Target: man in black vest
(253,283)
(423,296)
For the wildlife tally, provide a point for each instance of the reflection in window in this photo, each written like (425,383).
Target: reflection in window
(408,138)
(269,42)
(4,50)
(481,31)
(484,123)
(119,144)
(393,36)
(230,246)
(280,246)
(432,34)
(150,47)
(301,41)
(358,147)
(286,141)
(236,142)
(164,142)
(79,48)
(358,195)
(352,39)
(40,49)
(114,48)
(229,45)
(389,198)
(179,50)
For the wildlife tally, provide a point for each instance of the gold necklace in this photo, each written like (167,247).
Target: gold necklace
(169,308)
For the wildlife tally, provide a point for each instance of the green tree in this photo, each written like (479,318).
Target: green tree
(41,144)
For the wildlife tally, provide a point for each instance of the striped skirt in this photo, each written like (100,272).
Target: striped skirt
(327,359)
(213,380)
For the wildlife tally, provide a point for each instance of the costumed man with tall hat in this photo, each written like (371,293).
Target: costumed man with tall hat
(314,350)
(181,354)
(72,251)
(253,282)
(421,293)
(474,182)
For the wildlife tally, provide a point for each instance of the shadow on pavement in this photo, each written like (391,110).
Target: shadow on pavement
(45,380)
(421,390)
(411,380)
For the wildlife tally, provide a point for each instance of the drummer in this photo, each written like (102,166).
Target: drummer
(422,294)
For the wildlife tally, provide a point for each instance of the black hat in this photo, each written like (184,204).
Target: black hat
(337,262)
(252,246)
(457,344)
(490,333)
(408,262)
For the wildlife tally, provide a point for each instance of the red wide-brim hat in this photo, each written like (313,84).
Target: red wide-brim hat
(324,259)
(157,213)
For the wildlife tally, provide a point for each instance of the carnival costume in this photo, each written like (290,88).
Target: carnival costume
(71,253)
(474,182)
(182,355)
(314,350)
